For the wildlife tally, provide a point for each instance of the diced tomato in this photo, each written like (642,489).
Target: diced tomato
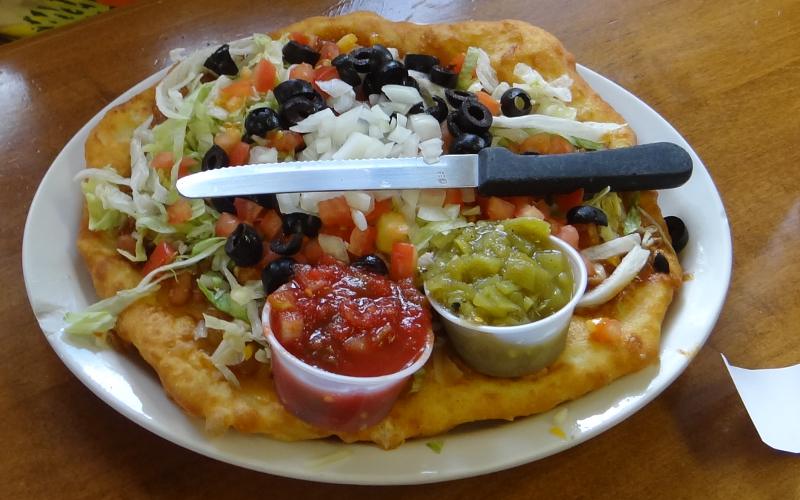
(285,141)
(604,330)
(335,212)
(457,62)
(499,209)
(323,74)
(567,201)
(311,250)
(267,256)
(490,102)
(226,224)
(380,208)
(270,224)
(529,211)
(247,210)
(453,197)
(227,138)
(570,235)
(163,254)
(239,154)
(328,50)
(265,75)
(447,137)
(300,38)
(165,159)
(362,242)
(519,201)
(179,212)
(403,261)
(239,88)
(302,71)
(545,144)
(185,166)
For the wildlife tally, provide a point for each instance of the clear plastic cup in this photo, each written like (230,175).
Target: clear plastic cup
(512,351)
(330,401)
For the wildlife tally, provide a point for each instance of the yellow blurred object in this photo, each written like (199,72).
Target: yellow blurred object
(23,18)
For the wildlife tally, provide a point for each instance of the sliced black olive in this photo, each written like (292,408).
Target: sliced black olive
(298,222)
(457,97)
(260,121)
(515,102)
(391,73)
(224,204)
(421,62)
(468,144)
(277,273)
(342,61)
(244,246)
(370,86)
(221,62)
(444,77)
(300,107)
(215,158)
(372,263)
(379,56)
(438,110)
(296,53)
(452,124)
(350,76)
(410,81)
(290,88)
(264,200)
(361,59)
(660,263)
(416,109)
(587,214)
(473,117)
(288,246)
(678,232)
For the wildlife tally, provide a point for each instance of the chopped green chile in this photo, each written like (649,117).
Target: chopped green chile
(499,273)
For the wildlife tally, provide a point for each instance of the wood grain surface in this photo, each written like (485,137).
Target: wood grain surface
(725,73)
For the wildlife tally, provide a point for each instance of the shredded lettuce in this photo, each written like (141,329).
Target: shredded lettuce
(217,291)
(611,204)
(422,234)
(633,220)
(140,255)
(101,218)
(593,131)
(436,445)
(102,316)
(470,62)
(586,143)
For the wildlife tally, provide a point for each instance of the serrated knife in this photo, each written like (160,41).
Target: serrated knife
(494,171)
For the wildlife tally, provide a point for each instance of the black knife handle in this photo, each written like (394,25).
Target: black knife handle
(659,165)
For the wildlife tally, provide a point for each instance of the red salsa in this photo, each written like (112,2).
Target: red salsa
(349,321)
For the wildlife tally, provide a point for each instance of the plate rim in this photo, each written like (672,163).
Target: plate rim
(114,402)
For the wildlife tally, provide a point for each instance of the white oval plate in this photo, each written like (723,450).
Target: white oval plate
(57,282)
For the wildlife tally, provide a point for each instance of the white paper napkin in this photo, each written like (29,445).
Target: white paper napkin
(772,398)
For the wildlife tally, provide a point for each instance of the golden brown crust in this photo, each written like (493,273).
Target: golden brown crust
(451,393)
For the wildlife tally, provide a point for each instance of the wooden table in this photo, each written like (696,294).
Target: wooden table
(724,72)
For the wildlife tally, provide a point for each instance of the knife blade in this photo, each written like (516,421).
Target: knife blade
(494,171)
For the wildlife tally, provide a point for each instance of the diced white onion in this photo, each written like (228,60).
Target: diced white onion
(288,202)
(313,122)
(399,134)
(431,197)
(384,194)
(432,214)
(322,144)
(402,94)
(425,126)
(310,201)
(625,272)
(359,219)
(410,196)
(333,246)
(617,246)
(359,200)
(431,150)
(260,154)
